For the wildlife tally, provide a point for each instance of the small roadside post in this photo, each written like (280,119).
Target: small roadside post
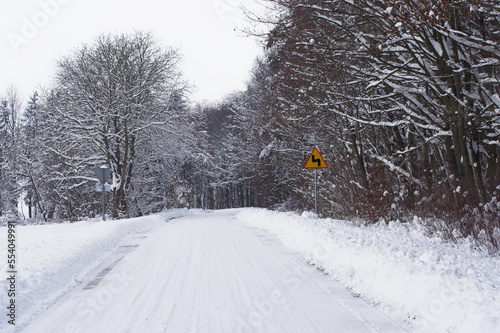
(315,161)
(102,174)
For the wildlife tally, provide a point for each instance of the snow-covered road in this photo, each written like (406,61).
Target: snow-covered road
(209,272)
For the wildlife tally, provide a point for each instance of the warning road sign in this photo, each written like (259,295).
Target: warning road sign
(315,161)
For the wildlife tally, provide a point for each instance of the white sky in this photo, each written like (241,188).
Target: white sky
(216,58)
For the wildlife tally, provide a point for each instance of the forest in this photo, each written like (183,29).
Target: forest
(402,98)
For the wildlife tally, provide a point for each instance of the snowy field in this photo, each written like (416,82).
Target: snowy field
(422,284)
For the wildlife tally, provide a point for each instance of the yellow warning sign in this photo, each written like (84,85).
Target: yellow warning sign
(315,161)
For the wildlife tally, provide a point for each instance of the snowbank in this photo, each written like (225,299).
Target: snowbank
(54,258)
(433,285)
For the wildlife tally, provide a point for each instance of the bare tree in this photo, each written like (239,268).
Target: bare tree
(10,107)
(113,100)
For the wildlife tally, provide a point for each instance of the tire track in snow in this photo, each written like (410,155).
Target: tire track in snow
(211,273)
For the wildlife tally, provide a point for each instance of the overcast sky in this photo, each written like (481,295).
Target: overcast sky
(216,58)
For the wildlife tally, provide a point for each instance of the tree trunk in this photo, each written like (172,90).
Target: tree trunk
(464,166)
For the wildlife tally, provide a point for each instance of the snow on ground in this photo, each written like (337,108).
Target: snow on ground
(435,286)
(208,272)
(53,259)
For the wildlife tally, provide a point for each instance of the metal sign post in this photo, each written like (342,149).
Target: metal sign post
(316,192)
(315,161)
(102,174)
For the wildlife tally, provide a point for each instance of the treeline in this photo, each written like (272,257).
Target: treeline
(120,101)
(401,97)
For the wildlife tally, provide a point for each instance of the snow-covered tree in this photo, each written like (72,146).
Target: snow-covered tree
(31,164)
(10,107)
(117,101)
(403,93)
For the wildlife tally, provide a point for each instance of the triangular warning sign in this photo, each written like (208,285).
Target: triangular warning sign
(315,161)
